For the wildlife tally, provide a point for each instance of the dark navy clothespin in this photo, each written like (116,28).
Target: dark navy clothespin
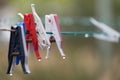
(17,50)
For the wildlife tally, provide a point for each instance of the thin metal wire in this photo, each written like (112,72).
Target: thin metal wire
(82,33)
(7,30)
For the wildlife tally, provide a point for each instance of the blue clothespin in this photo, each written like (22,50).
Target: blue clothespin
(20,24)
(17,50)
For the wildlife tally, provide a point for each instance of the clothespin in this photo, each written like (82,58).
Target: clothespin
(17,48)
(52,25)
(41,33)
(21,24)
(31,33)
(109,34)
(21,15)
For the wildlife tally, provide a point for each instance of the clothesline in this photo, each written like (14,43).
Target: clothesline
(7,30)
(82,33)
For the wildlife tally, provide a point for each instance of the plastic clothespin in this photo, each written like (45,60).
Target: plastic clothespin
(52,25)
(21,15)
(17,49)
(31,32)
(21,24)
(41,33)
(110,34)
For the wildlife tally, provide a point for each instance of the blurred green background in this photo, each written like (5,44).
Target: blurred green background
(86,58)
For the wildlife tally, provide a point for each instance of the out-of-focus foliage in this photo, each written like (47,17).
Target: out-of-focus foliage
(62,7)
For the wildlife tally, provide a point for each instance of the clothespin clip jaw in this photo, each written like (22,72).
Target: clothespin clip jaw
(109,34)
(41,33)
(52,25)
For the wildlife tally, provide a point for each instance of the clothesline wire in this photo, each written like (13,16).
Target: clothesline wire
(84,33)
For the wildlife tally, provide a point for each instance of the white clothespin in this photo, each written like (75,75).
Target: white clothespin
(52,25)
(41,33)
(21,15)
(110,34)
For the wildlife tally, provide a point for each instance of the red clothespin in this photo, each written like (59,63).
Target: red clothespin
(31,33)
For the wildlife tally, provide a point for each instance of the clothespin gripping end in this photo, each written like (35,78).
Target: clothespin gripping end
(64,57)
(39,59)
(11,74)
